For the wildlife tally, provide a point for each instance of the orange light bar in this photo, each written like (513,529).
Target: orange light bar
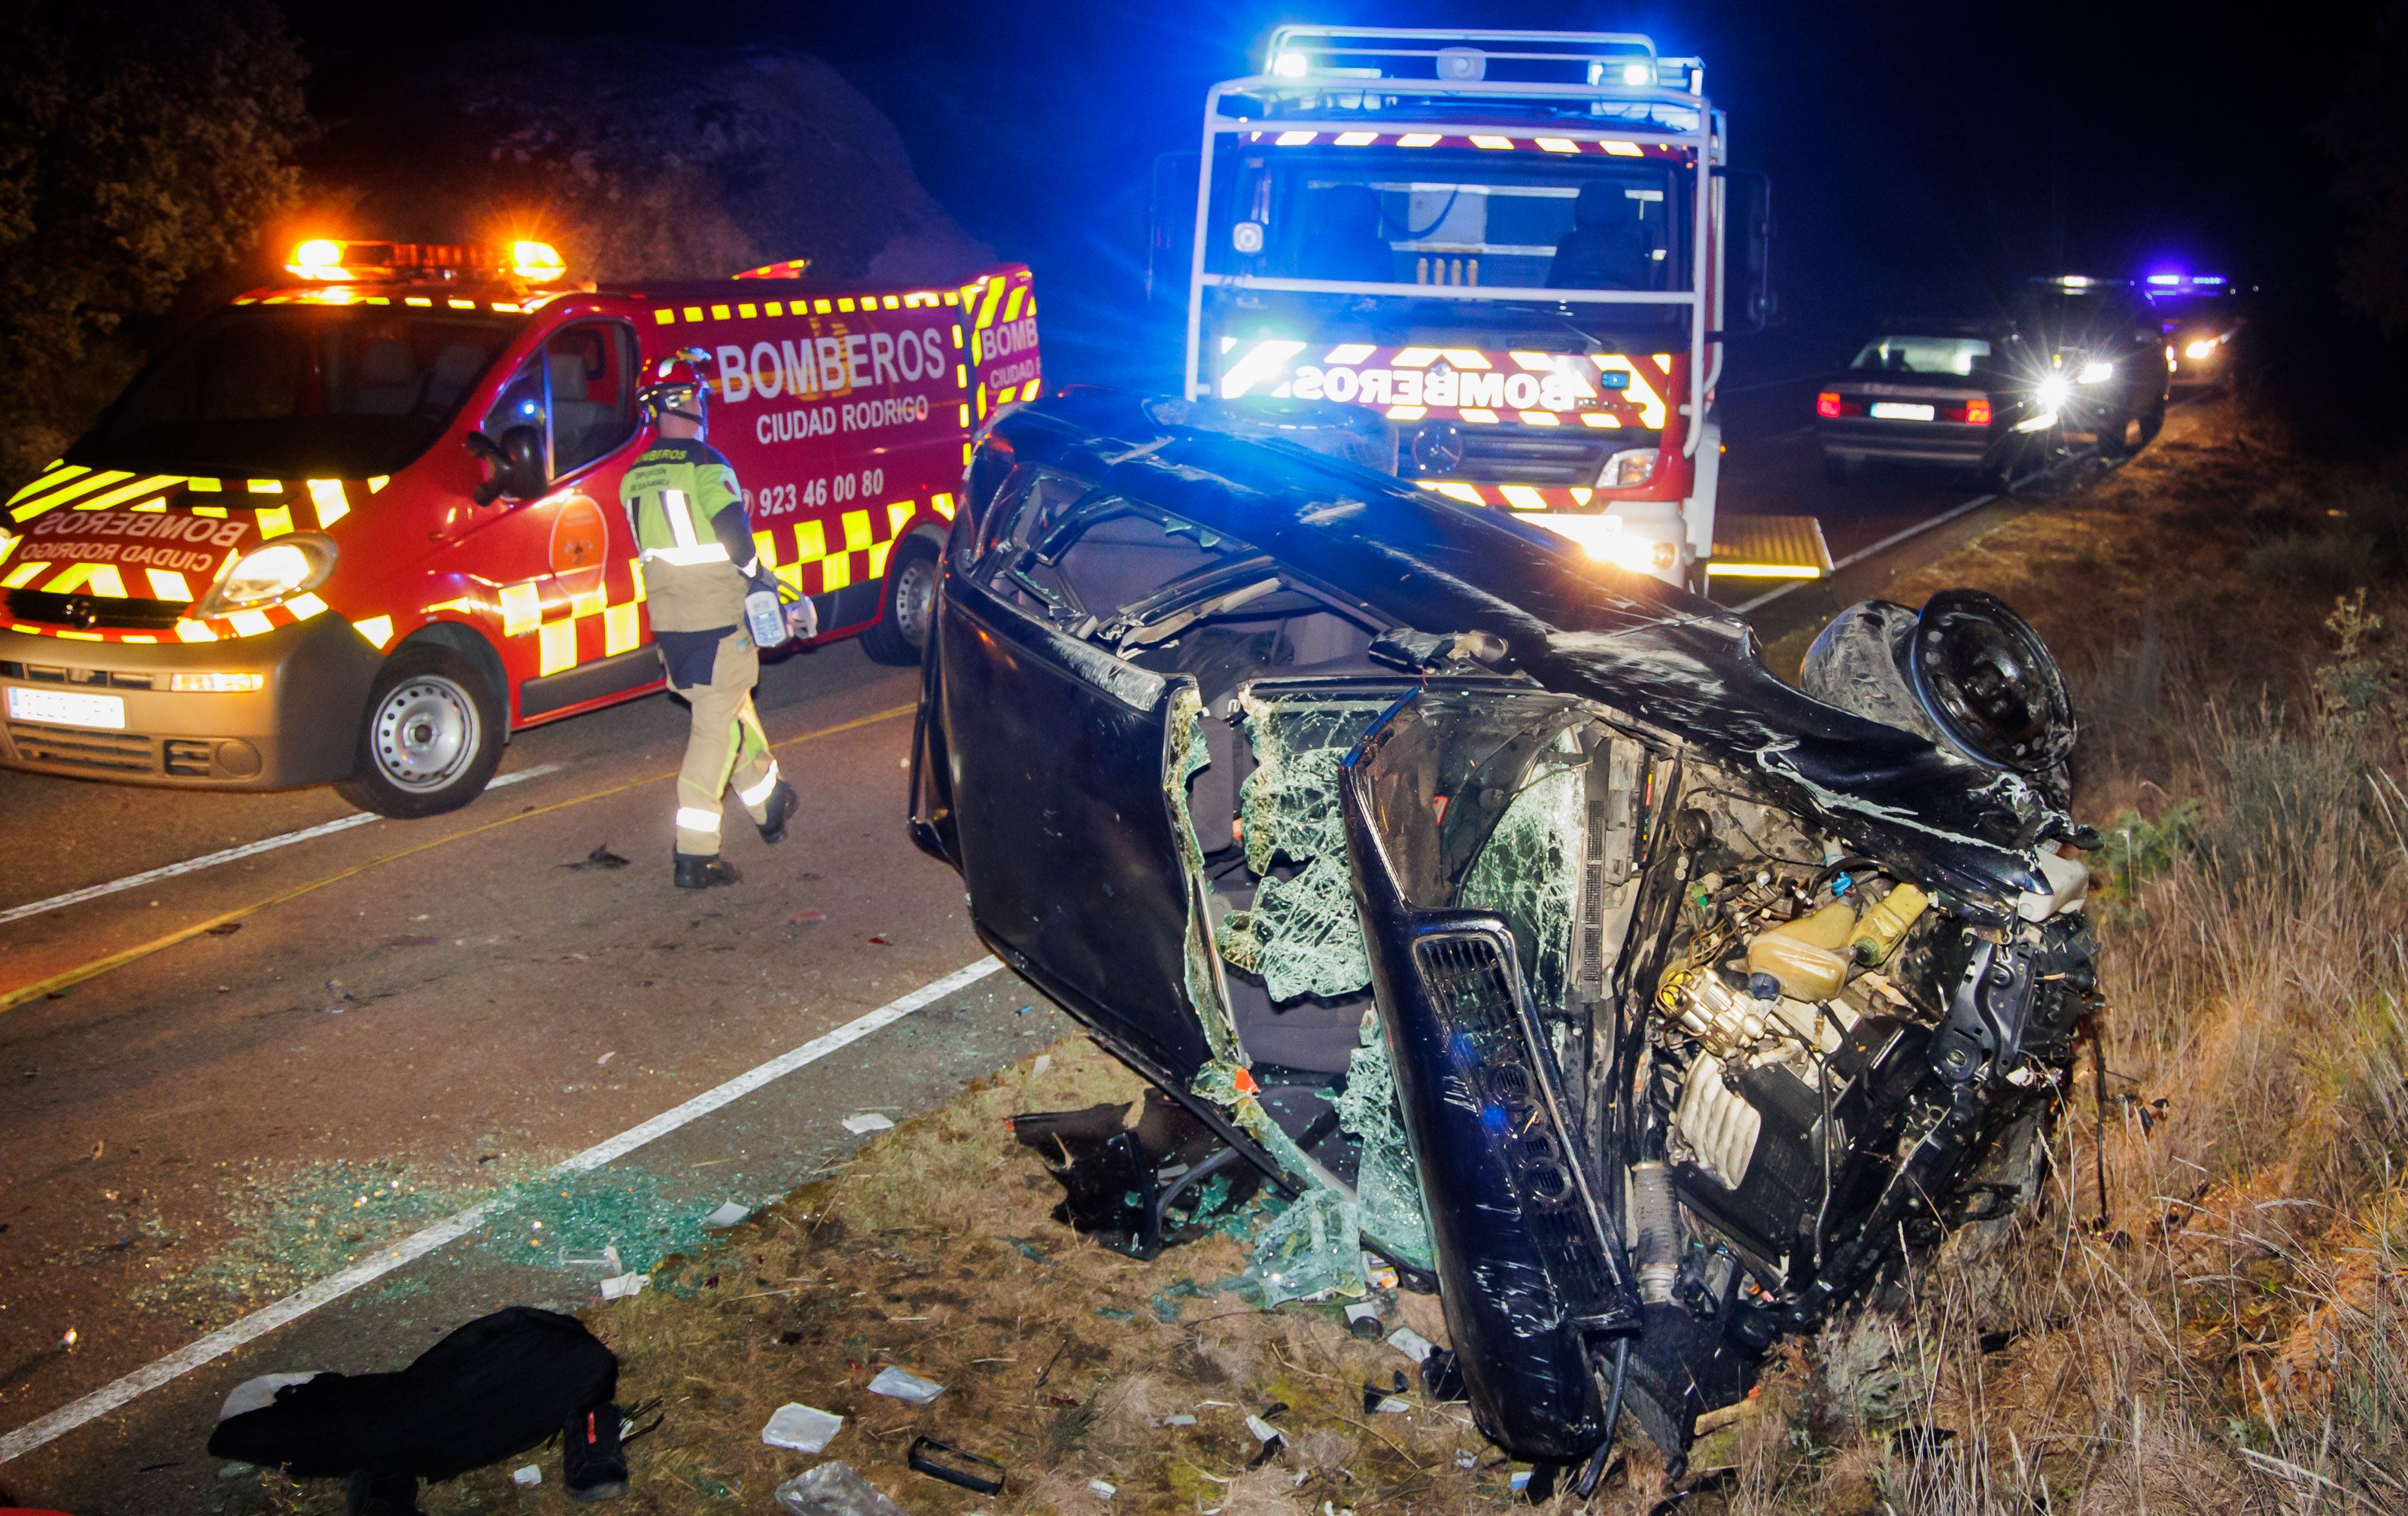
(325,260)
(536,261)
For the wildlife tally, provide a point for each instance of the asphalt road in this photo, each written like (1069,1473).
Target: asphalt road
(313,1052)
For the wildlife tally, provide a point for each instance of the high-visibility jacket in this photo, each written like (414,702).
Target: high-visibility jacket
(688,516)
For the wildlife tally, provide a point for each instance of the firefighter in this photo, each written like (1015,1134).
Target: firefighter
(698,563)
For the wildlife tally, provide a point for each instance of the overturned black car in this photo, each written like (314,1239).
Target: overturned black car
(1645,1002)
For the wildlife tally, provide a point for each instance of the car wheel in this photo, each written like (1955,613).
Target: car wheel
(1840,470)
(2151,425)
(902,631)
(432,737)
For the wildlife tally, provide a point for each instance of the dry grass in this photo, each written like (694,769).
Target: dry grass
(2227,1327)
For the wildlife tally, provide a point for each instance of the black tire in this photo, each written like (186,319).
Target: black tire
(1840,470)
(2151,425)
(432,735)
(901,635)
(2110,436)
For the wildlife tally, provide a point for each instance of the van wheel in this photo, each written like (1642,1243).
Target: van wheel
(901,633)
(2151,423)
(2110,436)
(432,738)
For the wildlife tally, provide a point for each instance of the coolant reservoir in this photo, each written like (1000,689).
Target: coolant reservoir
(1885,926)
(1809,956)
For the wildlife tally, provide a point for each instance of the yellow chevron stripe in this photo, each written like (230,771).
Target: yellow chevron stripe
(24,507)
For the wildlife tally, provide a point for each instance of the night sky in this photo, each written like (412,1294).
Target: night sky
(1924,157)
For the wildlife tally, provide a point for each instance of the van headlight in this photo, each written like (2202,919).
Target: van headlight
(270,572)
(2096,371)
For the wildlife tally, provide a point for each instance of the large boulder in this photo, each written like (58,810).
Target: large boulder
(637,159)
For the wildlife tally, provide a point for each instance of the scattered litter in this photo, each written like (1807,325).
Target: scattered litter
(67,1341)
(1104,1489)
(625,1286)
(1166,1300)
(224,928)
(880,939)
(1411,1343)
(527,1478)
(956,1466)
(1442,1376)
(1387,1398)
(603,1258)
(866,1121)
(1381,1275)
(807,919)
(1109,1314)
(1263,1430)
(904,1385)
(601,858)
(1465,1458)
(1393,1405)
(1029,1251)
(1310,1252)
(606,1058)
(1363,1320)
(834,1488)
(802,1428)
(1183,1418)
(729,1214)
(1521,1481)
(253,1394)
(1023,1010)
(1044,1062)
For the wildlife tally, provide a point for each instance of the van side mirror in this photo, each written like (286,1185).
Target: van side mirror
(514,466)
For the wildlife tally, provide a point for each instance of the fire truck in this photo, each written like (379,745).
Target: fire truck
(362,526)
(1525,249)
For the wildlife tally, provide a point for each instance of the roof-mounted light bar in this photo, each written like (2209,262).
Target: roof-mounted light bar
(325,260)
(1604,59)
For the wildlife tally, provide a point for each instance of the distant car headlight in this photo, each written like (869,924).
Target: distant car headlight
(2096,371)
(277,571)
(2203,348)
(1628,468)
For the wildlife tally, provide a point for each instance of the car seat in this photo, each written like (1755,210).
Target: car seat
(1605,249)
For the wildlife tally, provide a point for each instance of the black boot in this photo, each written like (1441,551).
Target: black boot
(591,1466)
(782,806)
(702,871)
(382,1495)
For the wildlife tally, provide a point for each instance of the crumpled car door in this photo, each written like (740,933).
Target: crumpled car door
(1066,845)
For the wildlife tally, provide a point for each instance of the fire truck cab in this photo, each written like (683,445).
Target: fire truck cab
(1524,248)
(362,528)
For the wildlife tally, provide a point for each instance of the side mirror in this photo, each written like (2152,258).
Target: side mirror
(1747,249)
(514,466)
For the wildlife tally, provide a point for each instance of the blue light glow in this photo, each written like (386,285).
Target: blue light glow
(2165,278)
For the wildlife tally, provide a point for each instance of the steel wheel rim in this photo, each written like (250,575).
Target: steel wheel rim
(425,733)
(915,595)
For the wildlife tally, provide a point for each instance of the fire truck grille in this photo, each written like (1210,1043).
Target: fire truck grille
(86,611)
(1533,456)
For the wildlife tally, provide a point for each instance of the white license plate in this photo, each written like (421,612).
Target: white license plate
(1901,411)
(67,709)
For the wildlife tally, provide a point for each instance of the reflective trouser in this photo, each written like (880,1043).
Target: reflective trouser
(728,743)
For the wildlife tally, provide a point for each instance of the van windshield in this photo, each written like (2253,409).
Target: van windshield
(294,392)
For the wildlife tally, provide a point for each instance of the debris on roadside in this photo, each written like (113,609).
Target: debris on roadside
(1104,1489)
(834,1488)
(1123,1179)
(957,1467)
(802,1428)
(528,1476)
(625,1286)
(601,858)
(502,1384)
(807,919)
(1363,1321)
(728,1215)
(903,1385)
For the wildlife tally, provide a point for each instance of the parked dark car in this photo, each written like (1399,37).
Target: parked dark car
(1973,395)
(2105,344)
(2202,317)
(1664,1003)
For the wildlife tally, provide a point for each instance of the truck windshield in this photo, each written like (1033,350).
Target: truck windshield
(292,392)
(1447,217)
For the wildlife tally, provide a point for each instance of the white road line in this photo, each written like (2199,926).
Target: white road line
(224,1340)
(211,860)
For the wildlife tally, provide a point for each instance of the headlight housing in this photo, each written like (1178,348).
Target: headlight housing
(2051,393)
(2202,348)
(2096,371)
(1628,469)
(271,572)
